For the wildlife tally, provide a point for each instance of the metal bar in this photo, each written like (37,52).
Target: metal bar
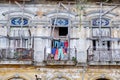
(45,37)
(100,25)
(108,4)
(22,7)
(69,27)
(64,6)
(97,27)
(109,10)
(45,54)
(27,37)
(55,20)
(105,39)
(18,4)
(75,53)
(8,30)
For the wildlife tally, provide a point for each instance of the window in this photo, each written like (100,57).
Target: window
(60,31)
(60,22)
(104,22)
(101,45)
(63,31)
(94,45)
(19,38)
(103,32)
(61,26)
(102,79)
(19,21)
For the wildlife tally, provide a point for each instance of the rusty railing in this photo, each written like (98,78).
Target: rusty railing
(103,55)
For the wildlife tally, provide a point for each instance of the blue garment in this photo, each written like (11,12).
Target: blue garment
(56,44)
(53,51)
(60,53)
(62,44)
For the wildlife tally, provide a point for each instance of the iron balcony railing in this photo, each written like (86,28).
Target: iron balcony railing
(16,54)
(65,56)
(103,55)
(64,59)
(104,32)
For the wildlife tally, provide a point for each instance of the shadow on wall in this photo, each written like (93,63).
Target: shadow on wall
(17,77)
(102,79)
(60,78)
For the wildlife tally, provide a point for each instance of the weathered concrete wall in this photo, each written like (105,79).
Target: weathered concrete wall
(81,44)
(39,29)
(90,73)
(77,31)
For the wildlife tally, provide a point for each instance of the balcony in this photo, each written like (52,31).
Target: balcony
(103,56)
(103,32)
(16,56)
(67,59)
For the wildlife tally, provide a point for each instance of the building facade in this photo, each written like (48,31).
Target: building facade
(58,41)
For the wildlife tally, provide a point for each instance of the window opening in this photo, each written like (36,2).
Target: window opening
(94,45)
(16,78)
(102,45)
(63,31)
(60,41)
(102,79)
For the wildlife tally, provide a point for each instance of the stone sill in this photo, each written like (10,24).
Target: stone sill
(60,63)
(104,63)
(12,62)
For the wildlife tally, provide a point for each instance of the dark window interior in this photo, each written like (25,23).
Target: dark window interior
(103,43)
(94,45)
(102,79)
(63,31)
(108,44)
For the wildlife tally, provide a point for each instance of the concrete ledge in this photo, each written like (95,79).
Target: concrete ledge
(81,64)
(12,62)
(104,63)
(39,64)
(62,63)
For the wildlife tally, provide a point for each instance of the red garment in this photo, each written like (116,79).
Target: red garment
(56,52)
(66,44)
(56,55)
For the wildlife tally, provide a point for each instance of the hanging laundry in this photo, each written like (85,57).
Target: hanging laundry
(66,44)
(62,44)
(60,54)
(53,51)
(56,54)
(56,43)
(48,50)
(65,51)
